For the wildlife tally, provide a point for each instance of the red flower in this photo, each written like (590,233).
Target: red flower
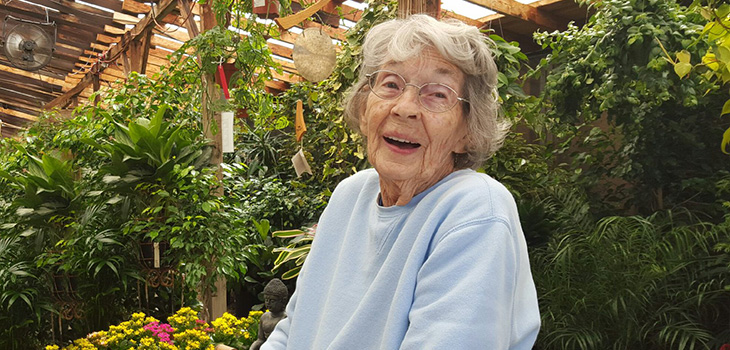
(725,347)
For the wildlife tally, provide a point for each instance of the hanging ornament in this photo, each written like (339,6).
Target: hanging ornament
(300,163)
(299,125)
(314,55)
(299,160)
(226,117)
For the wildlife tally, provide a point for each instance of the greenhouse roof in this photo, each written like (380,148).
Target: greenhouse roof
(92,40)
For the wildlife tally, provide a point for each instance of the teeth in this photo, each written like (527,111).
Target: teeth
(401,140)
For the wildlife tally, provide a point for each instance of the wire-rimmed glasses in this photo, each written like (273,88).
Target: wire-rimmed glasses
(435,97)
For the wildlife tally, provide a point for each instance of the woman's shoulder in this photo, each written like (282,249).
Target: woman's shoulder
(358,180)
(475,192)
(470,183)
(362,181)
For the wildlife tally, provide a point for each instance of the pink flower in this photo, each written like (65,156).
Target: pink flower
(161,331)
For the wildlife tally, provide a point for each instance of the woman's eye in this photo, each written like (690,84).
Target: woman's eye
(391,85)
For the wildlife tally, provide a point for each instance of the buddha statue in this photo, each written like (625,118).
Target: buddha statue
(276,296)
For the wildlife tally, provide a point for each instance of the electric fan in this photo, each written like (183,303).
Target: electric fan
(27,46)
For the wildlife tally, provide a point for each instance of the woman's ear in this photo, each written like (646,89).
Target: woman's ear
(362,120)
(462,145)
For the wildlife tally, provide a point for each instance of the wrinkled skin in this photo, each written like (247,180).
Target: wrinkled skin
(410,167)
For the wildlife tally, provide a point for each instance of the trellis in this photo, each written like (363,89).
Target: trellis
(101,41)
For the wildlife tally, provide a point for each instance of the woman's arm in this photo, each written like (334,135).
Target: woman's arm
(475,291)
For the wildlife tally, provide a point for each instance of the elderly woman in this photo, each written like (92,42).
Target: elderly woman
(421,252)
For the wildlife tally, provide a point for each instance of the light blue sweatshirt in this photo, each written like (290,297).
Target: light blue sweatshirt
(449,270)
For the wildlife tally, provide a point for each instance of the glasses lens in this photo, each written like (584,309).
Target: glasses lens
(387,84)
(437,97)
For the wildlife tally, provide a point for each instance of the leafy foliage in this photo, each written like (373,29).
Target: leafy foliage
(715,63)
(615,65)
(633,283)
(296,251)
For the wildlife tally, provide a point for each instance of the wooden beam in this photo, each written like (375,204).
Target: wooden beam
(123,18)
(409,7)
(86,13)
(25,91)
(22,103)
(135,34)
(139,51)
(276,86)
(113,30)
(8,125)
(527,13)
(113,5)
(21,9)
(32,75)
(348,12)
(134,6)
(15,113)
(187,13)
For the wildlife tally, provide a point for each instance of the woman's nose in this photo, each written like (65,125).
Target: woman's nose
(407,104)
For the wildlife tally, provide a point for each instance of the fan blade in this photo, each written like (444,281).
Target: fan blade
(40,37)
(14,45)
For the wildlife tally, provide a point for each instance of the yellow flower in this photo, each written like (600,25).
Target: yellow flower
(51,347)
(166,346)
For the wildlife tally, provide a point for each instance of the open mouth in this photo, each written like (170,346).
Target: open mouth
(400,143)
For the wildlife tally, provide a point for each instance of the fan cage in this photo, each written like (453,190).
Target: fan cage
(20,22)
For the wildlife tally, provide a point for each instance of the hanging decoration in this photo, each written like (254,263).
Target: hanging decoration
(289,21)
(314,55)
(299,125)
(299,160)
(227,144)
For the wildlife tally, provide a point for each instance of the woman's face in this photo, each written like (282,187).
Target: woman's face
(407,142)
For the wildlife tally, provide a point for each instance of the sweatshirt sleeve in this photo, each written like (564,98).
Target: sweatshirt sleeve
(280,336)
(474,291)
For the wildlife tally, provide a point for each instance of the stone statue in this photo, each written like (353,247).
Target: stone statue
(275,298)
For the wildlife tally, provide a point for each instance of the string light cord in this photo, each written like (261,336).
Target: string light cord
(163,30)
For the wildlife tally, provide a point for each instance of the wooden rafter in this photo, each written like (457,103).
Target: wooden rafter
(92,35)
(134,34)
(525,12)
(429,7)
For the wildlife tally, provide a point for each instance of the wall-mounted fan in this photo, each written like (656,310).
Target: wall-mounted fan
(26,44)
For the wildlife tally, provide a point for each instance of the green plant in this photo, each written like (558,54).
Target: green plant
(297,250)
(714,64)
(614,66)
(633,283)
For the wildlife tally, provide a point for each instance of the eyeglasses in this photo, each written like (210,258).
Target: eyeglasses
(435,97)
